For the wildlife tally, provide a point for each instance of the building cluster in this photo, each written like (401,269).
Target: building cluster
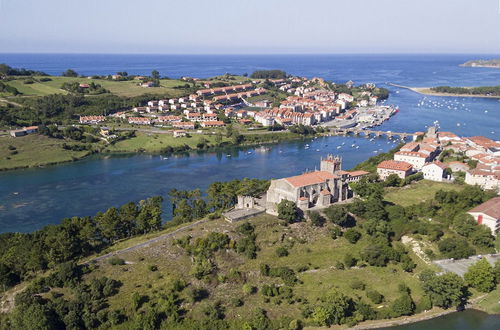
(23,131)
(316,189)
(421,157)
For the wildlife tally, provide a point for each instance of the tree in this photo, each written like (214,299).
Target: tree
(155,74)
(352,235)
(455,248)
(404,305)
(288,211)
(335,308)
(464,224)
(316,219)
(70,73)
(392,180)
(481,276)
(338,215)
(445,290)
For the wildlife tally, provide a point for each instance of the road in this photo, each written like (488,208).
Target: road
(148,242)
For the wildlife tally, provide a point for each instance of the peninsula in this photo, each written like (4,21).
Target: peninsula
(494,63)
(482,92)
(53,119)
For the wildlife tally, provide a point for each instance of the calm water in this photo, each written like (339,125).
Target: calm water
(469,319)
(32,198)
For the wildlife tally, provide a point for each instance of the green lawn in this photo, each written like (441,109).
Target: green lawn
(491,303)
(155,142)
(33,150)
(417,192)
(121,88)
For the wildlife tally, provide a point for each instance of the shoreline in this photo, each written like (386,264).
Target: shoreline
(427,91)
(153,153)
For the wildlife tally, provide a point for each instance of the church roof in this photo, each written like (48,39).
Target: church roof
(310,178)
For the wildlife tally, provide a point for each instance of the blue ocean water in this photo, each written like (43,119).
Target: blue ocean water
(32,198)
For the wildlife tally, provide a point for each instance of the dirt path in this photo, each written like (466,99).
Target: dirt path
(148,242)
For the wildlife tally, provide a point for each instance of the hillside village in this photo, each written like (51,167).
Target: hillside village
(446,157)
(269,103)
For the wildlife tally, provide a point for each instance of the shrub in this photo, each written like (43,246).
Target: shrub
(316,219)
(248,289)
(116,261)
(281,252)
(335,232)
(375,296)
(357,285)
(352,235)
(153,268)
(349,260)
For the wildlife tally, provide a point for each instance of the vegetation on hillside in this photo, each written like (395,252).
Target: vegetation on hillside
(486,90)
(6,70)
(269,74)
(263,264)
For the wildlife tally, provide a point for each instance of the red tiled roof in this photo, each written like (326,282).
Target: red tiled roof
(395,165)
(438,163)
(310,178)
(358,173)
(491,208)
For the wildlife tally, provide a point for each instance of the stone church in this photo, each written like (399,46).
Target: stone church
(316,189)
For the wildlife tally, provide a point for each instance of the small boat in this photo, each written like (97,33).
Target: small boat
(339,147)
(228,155)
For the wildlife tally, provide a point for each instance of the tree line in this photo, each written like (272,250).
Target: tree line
(24,254)
(485,90)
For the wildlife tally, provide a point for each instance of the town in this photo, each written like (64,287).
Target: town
(294,101)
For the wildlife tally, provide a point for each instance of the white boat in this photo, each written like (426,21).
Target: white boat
(339,147)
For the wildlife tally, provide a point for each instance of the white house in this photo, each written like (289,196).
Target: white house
(488,214)
(388,167)
(434,171)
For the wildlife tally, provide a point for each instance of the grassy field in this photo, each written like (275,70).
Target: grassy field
(491,303)
(417,192)
(34,150)
(121,88)
(156,142)
(309,247)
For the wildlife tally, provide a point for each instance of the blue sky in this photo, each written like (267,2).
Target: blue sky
(250,26)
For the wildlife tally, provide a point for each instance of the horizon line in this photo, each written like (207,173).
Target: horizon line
(245,54)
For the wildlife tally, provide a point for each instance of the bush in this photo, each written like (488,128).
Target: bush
(115,261)
(236,302)
(357,285)
(248,289)
(281,252)
(456,248)
(153,268)
(335,232)
(316,219)
(352,235)
(349,260)
(375,296)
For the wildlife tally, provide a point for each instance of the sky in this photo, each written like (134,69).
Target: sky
(250,26)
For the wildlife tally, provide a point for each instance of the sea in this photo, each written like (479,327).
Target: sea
(33,198)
